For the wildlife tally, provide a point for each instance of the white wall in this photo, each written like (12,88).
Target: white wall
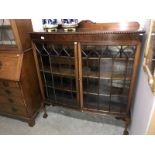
(142,107)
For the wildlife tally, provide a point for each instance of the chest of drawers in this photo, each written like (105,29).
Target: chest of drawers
(20,96)
(19,91)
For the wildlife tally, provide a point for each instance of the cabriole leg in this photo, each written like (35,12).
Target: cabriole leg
(45,112)
(127,121)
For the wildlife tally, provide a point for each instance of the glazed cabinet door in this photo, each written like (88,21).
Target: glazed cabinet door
(59,73)
(105,72)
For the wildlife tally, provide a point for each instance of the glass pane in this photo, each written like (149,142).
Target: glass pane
(57,66)
(104,102)
(90,85)
(107,73)
(90,101)
(118,103)
(6,34)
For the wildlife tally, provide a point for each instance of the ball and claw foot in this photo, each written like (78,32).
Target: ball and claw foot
(31,123)
(125,132)
(45,115)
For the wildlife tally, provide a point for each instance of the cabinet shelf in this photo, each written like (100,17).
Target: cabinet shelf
(61,88)
(58,59)
(94,75)
(88,93)
(60,72)
(100,94)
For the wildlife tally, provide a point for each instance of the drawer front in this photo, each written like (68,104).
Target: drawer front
(12,109)
(10,66)
(13,106)
(6,84)
(11,100)
(7,92)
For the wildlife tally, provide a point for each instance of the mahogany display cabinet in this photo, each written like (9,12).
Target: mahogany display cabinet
(20,96)
(93,69)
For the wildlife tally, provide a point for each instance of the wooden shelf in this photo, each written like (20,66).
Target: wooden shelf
(105,76)
(85,58)
(91,58)
(101,94)
(94,75)
(96,58)
(65,88)
(59,71)
(63,60)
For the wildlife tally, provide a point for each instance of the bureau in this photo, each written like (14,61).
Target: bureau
(93,69)
(20,96)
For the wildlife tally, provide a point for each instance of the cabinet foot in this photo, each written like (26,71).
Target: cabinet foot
(125,132)
(45,115)
(127,121)
(31,123)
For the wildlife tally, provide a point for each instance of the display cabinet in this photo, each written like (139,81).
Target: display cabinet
(20,96)
(93,69)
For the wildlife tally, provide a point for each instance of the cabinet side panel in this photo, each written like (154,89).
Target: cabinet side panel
(30,83)
(23,27)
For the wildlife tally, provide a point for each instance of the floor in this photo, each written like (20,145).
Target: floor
(62,121)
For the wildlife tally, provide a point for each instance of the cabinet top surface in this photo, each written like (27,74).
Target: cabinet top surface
(88,36)
(88,31)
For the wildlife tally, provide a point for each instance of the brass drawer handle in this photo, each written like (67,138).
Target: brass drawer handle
(1,65)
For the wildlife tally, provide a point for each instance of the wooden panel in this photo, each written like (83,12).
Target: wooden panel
(122,26)
(10,100)
(38,72)
(8,84)
(11,109)
(21,28)
(10,66)
(30,84)
(113,38)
